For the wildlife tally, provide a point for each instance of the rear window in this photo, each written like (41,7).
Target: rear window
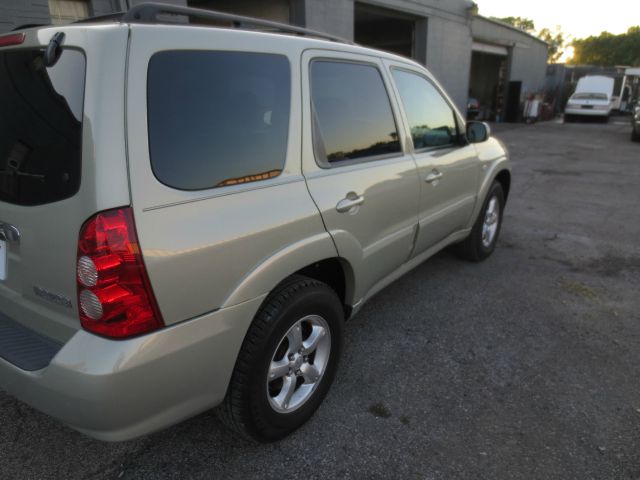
(40,126)
(217,118)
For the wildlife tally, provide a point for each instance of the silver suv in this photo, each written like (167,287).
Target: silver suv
(189,213)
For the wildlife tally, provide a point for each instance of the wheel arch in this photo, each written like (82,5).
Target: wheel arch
(338,274)
(315,257)
(504,178)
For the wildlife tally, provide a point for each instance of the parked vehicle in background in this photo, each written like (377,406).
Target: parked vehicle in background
(190,213)
(593,98)
(635,122)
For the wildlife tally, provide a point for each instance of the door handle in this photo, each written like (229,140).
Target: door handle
(349,203)
(433,176)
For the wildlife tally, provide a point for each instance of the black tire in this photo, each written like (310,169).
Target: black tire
(635,136)
(568,118)
(247,409)
(473,248)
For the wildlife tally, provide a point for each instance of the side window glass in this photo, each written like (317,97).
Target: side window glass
(352,112)
(217,118)
(431,119)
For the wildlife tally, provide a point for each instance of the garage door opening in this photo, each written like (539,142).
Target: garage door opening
(487,83)
(385,30)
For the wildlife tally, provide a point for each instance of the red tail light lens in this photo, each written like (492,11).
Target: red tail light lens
(114,293)
(12,39)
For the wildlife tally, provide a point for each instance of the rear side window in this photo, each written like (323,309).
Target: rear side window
(217,118)
(352,112)
(40,126)
(431,119)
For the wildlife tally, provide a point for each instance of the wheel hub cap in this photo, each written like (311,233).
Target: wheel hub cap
(298,363)
(491,221)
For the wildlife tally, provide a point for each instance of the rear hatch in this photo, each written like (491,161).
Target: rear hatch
(49,169)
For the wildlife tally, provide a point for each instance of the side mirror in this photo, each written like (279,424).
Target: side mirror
(478,132)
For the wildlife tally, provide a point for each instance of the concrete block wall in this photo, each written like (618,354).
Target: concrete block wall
(330,16)
(14,13)
(449,57)
(447,52)
(528,65)
(104,7)
(528,54)
(445,30)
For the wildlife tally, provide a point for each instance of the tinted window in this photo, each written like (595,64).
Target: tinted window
(352,111)
(431,119)
(217,118)
(40,126)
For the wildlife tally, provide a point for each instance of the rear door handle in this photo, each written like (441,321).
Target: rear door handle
(433,176)
(348,204)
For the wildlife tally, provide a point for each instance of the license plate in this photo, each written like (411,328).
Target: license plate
(3,260)
(588,107)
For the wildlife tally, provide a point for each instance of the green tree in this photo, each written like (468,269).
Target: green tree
(608,49)
(522,23)
(555,40)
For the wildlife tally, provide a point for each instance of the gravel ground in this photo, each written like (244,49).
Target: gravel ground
(523,366)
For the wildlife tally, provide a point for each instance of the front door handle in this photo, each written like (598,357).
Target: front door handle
(433,176)
(350,203)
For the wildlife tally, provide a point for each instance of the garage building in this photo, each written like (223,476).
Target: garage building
(470,55)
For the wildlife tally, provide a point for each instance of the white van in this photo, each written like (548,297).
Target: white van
(593,97)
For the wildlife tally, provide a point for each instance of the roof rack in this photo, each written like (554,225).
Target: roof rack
(149,13)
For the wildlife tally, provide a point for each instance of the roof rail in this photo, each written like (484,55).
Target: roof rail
(149,12)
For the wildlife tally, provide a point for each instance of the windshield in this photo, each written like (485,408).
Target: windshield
(590,96)
(40,126)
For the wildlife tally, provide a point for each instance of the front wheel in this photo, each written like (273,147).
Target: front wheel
(287,362)
(482,240)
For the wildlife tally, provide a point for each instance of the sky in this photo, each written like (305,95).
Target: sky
(577,18)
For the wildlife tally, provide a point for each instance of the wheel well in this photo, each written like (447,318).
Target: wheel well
(504,177)
(332,272)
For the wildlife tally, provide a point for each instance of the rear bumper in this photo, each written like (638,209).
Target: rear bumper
(118,390)
(587,112)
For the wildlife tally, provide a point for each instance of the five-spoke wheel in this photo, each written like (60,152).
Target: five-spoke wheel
(298,364)
(287,361)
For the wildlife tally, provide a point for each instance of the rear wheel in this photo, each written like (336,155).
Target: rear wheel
(287,361)
(482,240)
(635,136)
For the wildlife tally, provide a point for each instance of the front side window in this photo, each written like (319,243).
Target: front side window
(217,118)
(352,112)
(431,119)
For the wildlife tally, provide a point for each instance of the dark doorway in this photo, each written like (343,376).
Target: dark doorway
(512,113)
(487,85)
(384,29)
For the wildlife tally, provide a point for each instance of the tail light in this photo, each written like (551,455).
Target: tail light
(114,293)
(12,39)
